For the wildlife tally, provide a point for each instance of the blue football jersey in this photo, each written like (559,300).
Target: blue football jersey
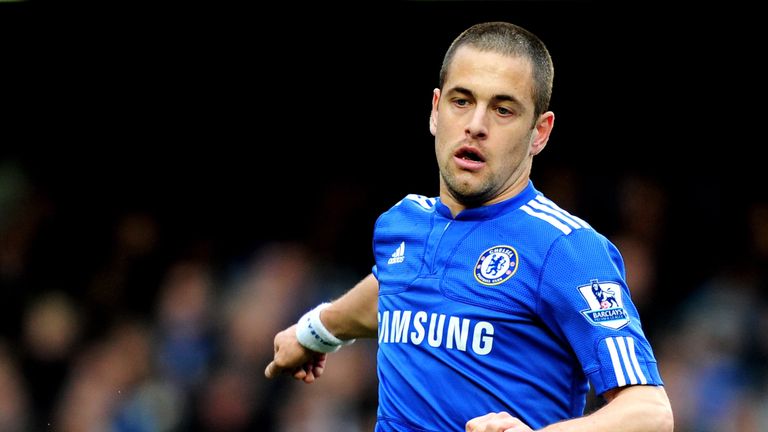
(513,307)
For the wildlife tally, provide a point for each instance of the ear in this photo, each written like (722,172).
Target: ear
(543,129)
(433,114)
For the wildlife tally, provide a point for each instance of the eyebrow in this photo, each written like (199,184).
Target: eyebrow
(495,98)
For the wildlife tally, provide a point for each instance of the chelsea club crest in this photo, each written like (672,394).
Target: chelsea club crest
(496,265)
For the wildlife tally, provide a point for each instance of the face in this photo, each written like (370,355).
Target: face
(484,128)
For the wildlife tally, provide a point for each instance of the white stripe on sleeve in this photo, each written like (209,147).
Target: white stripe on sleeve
(615,361)
(625,357)
(635,363)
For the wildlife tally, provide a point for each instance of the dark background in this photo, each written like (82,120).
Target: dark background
(239,123)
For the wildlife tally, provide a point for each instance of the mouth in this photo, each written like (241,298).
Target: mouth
(469,158)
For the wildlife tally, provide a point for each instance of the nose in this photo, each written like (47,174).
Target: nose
(477,127)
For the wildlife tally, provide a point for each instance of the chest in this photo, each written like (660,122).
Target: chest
(488,264)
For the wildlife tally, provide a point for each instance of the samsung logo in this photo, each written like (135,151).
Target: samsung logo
(436,330)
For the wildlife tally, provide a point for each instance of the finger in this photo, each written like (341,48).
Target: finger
(319,366)
(310,378)
(474,423)
(317,370)
(272,370)
(500,421)
(310,374)
(300,374)
(519,428)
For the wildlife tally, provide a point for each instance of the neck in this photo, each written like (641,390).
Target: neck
(458,204)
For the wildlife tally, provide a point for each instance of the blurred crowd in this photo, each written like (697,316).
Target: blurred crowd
(132,335)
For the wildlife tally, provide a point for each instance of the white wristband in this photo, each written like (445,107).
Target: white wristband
(313,335)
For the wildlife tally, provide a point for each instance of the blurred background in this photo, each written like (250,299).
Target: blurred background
(180,182)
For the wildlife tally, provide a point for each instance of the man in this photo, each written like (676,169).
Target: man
(493,307)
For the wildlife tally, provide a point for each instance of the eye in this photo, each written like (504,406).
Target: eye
(504,111)
(461,102)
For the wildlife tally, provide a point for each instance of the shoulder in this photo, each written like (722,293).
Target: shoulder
(559,230)
(546,224)
(411,208)
(419,202)
(546,215)
(413,203)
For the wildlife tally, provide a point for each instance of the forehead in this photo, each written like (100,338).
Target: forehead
(491,72)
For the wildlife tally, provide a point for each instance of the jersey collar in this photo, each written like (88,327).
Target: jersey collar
(491,211)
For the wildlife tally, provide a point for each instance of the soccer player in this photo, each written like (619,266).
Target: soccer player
(494,308)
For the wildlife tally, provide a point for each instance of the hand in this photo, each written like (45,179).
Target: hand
(497,422)
(291,358)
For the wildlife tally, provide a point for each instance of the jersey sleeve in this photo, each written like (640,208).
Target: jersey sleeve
(583,298)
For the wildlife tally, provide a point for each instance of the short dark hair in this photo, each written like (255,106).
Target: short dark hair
(512,40)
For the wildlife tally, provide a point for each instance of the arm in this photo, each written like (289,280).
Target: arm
(351,316)
(629,409)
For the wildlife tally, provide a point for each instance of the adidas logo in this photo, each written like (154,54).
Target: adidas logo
(398,255)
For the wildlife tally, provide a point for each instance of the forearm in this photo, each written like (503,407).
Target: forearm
(633,409)
(300,350)
(353,315)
